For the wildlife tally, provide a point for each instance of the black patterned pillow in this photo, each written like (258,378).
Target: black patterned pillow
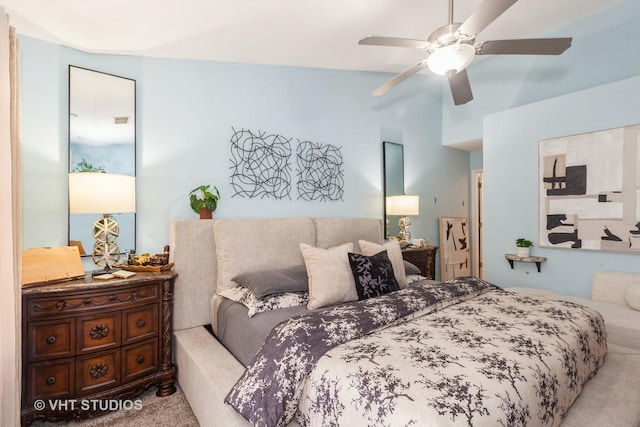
(373,274)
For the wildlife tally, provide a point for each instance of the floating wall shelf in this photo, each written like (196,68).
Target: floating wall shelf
(513,257)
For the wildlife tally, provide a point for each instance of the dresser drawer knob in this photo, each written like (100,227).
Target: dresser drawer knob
(99,331)
(140,359)
(51,340)
(141,323)
(50,381)
(98,370)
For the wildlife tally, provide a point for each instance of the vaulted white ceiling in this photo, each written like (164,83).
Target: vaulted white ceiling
(305,33)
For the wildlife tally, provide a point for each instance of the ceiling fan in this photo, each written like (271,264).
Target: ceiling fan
(452,48)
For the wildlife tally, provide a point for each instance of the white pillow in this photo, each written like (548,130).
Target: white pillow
(330,278)
(632,296)
(395,255)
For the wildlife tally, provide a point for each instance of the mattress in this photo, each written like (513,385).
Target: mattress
(243,335)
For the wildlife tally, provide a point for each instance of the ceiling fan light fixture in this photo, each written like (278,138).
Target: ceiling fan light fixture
(452,48)
(451,59)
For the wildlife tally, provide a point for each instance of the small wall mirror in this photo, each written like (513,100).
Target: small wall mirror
(102,138)
(393,182)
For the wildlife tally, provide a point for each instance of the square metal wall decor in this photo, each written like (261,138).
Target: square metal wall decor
(589,191)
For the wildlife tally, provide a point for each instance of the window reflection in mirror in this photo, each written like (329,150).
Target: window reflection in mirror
(393,179)
(102,137)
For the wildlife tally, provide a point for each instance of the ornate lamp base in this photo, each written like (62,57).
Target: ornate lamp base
(105,249)
(404,223)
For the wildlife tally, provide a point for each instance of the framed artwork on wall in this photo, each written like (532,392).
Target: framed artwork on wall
(454,243)
(589,191)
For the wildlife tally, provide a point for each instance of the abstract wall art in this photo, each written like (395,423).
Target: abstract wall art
(455,250)
(319,169)
(260,165)
(589,191)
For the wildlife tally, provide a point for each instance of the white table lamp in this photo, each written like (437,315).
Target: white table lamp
(103,193)
(404,206)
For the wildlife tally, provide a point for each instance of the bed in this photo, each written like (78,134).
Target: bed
(462,352)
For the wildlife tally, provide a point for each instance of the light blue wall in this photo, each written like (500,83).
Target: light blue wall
(185,114)
(511,184)
(475,159)
(604,50)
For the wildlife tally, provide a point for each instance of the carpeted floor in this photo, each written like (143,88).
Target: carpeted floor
(612,397)
(171,411)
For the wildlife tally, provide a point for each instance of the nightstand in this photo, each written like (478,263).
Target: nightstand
(424,258)
(86,341)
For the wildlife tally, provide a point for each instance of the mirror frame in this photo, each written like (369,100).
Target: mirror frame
(126,166)
(392,185)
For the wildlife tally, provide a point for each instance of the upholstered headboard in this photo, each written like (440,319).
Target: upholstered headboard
(208,253)
(336,231)
(193,253)
(253,245)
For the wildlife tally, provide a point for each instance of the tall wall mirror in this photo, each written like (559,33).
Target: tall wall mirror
(393,182)
(102,138)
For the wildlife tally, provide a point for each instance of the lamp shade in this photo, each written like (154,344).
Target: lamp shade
(101,193)
(403,205)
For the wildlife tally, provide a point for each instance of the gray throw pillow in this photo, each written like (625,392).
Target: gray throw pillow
(268,282)
(411,269)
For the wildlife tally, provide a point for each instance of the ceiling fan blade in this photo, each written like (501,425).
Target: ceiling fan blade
(460,87)
(524,47)
(399,78)
(394,42)
(484,15)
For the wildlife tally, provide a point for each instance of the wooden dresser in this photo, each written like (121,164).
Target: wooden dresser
(424,258)
(86,342)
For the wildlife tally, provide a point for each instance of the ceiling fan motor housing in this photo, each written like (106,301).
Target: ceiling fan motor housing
(448,34)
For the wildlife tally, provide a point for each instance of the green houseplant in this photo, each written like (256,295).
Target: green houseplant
(204,201)
(523,247)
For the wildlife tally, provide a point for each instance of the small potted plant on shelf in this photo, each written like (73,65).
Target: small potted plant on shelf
(204,201)
(523,247)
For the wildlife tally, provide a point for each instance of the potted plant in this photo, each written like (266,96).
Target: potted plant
(523,247)
(204,201)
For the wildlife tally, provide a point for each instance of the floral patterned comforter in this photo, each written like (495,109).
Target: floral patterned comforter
(463,352)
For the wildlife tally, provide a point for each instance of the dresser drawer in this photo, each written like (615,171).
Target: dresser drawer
(50,380)
(140,323)
(52,339)
(97,372)
(98,332)
(117,299)
(139,360)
